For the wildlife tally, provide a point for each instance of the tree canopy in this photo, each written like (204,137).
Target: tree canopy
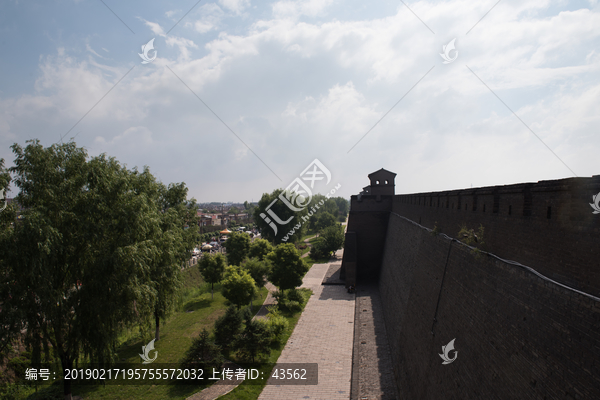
(287,268)
(259,248)
(325,220)
(270,226)
(238,286)
(212,267)
(97,247)
(86,257)
(258,270)
(174,246)
(332,238)
(238,247)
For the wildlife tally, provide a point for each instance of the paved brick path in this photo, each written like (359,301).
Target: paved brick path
(324,335)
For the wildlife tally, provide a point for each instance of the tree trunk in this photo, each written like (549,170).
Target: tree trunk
(157,319)
(67,364)
(212,291)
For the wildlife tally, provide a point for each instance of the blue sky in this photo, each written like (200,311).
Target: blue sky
(299,80)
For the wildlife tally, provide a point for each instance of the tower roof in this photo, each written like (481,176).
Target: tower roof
(382,174)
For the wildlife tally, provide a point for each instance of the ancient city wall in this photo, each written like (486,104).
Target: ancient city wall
(547,225)
(367,220)
(517,334)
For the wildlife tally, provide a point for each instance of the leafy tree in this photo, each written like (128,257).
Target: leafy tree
(174,245)
(318,250)
(254,340)
(11,318)
(282,212)
(312,222)
(203,352)
(325,220)
(330,207)
(258,270)
(332,238)
(238,247)
(342,204)
(259,248)
(212,267)
(287,268)
(238,286)
(77,264)
(227,326)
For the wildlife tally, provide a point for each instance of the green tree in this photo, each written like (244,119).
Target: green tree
(204,352)
(330,207)
(212,268)
(174,245)
(325,220)
(332,238)
(238,286)
(259,248)
(258,270)
(254,340)
(343,205)
(11,317)
(77,264)
(227,326)
(281,218)
(287,268)
(238,247)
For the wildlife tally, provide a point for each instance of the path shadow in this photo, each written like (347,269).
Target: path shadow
(335,292)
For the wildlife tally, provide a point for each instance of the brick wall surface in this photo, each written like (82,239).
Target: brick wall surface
(517,335)
(547,225)
(368,220)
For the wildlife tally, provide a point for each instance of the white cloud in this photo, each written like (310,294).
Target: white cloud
(212,15)
(237,6)
(298,90)
(297,8)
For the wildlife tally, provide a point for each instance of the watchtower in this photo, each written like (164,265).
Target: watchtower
(382,182)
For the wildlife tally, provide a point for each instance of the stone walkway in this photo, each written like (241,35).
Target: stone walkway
(324,334)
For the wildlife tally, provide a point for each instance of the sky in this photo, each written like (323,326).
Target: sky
(238,97)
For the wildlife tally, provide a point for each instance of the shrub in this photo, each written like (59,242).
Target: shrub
(469,237)
(279,296)
(277,325)
(291,300)
(293,306)
(294,295)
